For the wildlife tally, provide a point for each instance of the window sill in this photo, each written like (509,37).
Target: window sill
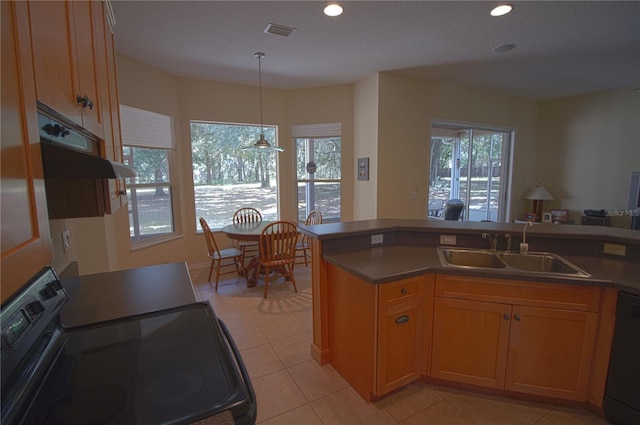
(147,243)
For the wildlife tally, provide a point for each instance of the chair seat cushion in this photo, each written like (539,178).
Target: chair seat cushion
(228,253)
(247,243)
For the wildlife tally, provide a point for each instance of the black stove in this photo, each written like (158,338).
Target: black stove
(173,366)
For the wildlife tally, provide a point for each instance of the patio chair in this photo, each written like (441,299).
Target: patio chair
(304,243)
(219,256)
(453,209)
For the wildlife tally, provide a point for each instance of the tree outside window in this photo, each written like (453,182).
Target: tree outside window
(148,141)
(149,193)
(227,177)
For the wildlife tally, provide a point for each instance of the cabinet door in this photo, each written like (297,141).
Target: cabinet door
(112,146)
(86,39)
(54,58)
(63,42)
(550,352)
(400,332)
(25,226)
(470,341)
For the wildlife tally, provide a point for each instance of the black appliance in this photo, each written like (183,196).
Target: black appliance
(173,366)
(622,396)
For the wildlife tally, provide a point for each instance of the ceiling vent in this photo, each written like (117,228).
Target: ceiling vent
(279,30)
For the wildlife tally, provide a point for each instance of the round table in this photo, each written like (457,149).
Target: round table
(245,231)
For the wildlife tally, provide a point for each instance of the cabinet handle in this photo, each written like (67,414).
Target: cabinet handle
(402,319)
(122,192)
(403,291)
(517,317)
(84,101)
(506,316)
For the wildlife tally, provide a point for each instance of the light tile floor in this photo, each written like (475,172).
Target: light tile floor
(274,337)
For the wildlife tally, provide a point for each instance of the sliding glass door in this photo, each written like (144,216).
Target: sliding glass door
(470,164)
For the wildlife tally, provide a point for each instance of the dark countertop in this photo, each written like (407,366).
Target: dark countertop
(389,263)
(338,230)
(105,296)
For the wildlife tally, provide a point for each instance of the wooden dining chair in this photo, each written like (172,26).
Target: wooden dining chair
(218,256)
(303,247)
(277,252)
(247,215)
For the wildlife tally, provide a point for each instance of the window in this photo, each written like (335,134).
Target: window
(227,177)
(318,165)
(148,146)
(470,164)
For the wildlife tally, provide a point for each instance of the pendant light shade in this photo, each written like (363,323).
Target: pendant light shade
(262,143)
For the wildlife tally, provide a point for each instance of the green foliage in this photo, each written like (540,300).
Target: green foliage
(218,157)
(326,155)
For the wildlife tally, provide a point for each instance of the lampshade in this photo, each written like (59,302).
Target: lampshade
(262,143)
(539,193)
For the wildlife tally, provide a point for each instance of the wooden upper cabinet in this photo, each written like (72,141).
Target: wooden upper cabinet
(107,82)
(63,42)
(25,227)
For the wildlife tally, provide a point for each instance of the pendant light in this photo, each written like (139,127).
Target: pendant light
(262,143)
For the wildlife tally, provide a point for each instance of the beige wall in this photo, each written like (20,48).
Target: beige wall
(365,196)
(144,87)
(589,145)
(408,106)
(385,118)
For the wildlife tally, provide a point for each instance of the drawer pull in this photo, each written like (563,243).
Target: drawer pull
(402,319)
(506,316)
(517,317)
(403,291)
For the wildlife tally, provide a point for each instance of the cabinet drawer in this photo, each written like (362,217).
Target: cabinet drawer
(401,291)
(565,296)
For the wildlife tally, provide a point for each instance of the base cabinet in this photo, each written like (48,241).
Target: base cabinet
(400,334)
(536,349)
(470,341)
(376,331)
(550,352)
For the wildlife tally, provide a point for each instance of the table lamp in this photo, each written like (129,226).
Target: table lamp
(538,194)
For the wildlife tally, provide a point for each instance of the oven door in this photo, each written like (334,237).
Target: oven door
(174,366)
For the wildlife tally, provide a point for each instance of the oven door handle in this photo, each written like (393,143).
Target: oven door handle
(253,406)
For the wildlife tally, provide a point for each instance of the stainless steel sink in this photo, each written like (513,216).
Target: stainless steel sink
(462,257)
(545,263)
(540,262)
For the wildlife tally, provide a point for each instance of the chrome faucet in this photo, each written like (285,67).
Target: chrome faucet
(493,240)
(508,238)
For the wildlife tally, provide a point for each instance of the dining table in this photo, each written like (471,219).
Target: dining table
(247,232)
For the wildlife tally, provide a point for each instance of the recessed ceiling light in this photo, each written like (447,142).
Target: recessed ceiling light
(501,10)
(333,10)
(504,48)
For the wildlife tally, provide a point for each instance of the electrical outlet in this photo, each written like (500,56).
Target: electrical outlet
(375,239)
(615,249)
(66,241)
(447,239)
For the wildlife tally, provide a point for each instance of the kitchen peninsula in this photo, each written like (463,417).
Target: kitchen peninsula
(388,313)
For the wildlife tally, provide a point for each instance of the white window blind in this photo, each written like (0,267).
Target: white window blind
(146,129)
(316,130)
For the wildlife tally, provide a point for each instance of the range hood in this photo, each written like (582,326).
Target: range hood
(70,152)
(61,162)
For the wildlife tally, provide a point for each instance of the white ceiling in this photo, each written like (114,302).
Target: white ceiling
(563,48)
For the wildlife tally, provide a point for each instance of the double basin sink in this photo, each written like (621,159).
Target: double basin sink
(545,263)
